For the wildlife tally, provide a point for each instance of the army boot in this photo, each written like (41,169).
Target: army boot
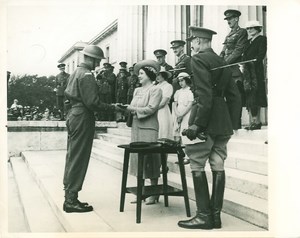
(83,204)
(217,196)
(72,204)
(203,218)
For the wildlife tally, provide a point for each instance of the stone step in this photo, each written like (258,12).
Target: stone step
(258,135)
(242,181)
(35,205)
(236,144)
(102,190)
(17,221)
(253,212)
(241,161)
(50,183)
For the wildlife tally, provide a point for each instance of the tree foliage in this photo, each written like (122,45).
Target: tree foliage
(31,89)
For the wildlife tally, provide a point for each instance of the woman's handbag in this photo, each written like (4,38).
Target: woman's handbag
(129,120)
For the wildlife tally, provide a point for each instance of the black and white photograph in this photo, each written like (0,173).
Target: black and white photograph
(149,119)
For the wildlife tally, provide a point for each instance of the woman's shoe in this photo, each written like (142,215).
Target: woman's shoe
(152,200)
(167,170)
(255,126)
(135,201)
(249,127)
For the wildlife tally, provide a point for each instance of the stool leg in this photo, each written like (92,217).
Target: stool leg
(124,180)
(184,185)
(140,185)
(165,178)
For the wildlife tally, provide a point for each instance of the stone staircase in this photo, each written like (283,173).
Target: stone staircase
(246,194)
(35,190)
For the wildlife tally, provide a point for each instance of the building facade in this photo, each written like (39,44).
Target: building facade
(73,56)
(141,29)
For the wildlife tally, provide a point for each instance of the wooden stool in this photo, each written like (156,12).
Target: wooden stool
(142,191)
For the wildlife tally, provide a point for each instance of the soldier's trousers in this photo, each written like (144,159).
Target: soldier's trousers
(81,127)
(214,150)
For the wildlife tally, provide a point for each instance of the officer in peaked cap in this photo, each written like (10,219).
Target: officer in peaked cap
(82,92)
(160,55)
(183,63)
(177,43)
(234,45)
(61,65)
(107,65)
(123,64)
(231,13)
(61,81)
(215,114)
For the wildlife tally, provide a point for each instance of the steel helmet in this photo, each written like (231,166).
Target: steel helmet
(93,51)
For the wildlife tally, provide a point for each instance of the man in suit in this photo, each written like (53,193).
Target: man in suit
(82,92)
(215,113)
(61,83)
(233,48)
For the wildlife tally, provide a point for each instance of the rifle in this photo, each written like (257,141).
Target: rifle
(173,70)
(229,65)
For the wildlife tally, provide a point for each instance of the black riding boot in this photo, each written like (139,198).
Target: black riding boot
(72,204)
(217,197)
(203,218)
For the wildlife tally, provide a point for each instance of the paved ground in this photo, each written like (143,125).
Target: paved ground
(102,190)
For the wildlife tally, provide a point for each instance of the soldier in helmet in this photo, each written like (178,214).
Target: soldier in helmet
(61,83)
(83,95)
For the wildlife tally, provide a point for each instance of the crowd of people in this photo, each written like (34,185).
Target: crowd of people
(17,112)
(198,102)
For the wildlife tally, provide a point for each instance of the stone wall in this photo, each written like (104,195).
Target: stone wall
(41,135)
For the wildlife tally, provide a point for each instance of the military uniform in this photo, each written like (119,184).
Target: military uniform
(233,48)
(61,81)
(215,113)
(111,78)
(104,90)
(160,54)
(82,91)
(133,83)
(234,45)
(121,88)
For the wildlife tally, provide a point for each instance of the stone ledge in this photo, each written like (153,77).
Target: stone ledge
(30,126)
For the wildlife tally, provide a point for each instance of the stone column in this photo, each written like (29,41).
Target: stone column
(130,32)
(165,23)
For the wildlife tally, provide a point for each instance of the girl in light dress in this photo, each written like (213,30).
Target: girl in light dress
(183,100)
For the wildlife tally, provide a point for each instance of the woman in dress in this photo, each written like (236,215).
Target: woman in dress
(144,107)
(164,113)
(254,73)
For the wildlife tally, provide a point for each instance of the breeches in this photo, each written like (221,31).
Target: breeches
(81,127)
(214,150)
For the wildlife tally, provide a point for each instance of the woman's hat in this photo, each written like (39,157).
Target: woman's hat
(169,74)
(150,64)
(183,75)
(253,24)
